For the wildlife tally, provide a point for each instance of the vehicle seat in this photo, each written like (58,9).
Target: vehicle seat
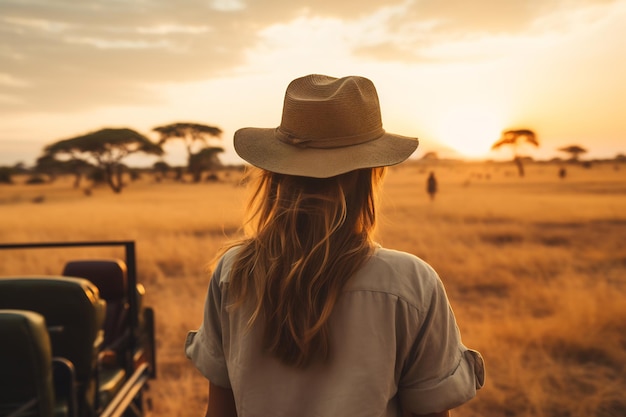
(110,277)
(74,314)
(26,380)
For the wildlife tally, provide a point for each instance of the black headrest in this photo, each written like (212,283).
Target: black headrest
(108,275)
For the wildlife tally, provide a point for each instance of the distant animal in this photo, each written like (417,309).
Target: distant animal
(431,185)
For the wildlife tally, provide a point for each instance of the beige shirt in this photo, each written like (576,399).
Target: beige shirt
(394,341)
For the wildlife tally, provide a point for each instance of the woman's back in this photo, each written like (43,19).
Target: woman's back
(386,344)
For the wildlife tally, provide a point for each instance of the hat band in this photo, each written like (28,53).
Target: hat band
(329,143)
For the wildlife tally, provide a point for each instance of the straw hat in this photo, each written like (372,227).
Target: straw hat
(329,126)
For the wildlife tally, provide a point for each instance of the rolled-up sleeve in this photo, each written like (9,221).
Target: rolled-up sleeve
(204,346)
(440,373)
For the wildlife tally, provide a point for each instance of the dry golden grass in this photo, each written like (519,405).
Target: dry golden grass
(535,269)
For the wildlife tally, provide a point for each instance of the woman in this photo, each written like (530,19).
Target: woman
(307,316)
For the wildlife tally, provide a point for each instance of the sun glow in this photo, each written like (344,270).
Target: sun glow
(469,130)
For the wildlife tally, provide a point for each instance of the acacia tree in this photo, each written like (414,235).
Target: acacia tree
(104,149)
(194,135)
(514,138)
(574,150)
(52,167)
(205,159)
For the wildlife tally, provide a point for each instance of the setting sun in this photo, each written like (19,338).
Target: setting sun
(469,130)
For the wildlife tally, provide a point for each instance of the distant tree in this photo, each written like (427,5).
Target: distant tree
(105,149)
(35,178)
(6,175)
(430,156)
(190,133)
(514,138)
(52,167)
(97,176)
(196,137)
(135,174)
(160,169)
(574,150)
(179,174)
(204,160)
(20,168)
(78,168)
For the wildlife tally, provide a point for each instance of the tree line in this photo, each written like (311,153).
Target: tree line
(515,137)
(99,154)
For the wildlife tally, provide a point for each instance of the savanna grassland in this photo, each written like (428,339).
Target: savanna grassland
(535,269)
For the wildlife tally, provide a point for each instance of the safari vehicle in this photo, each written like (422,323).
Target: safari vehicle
(77,344)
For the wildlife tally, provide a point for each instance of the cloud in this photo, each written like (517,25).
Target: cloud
(72,55)
(493,17)
(63,55)
(435,31)
(12,81)
(172,29)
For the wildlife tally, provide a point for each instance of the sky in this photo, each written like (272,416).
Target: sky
(453,73)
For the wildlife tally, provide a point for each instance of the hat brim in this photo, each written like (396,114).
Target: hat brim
(261,148)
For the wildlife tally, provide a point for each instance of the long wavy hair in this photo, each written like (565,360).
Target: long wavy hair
(305,238)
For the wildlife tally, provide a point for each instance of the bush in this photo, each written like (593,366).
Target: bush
(5,175)
(36,179)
